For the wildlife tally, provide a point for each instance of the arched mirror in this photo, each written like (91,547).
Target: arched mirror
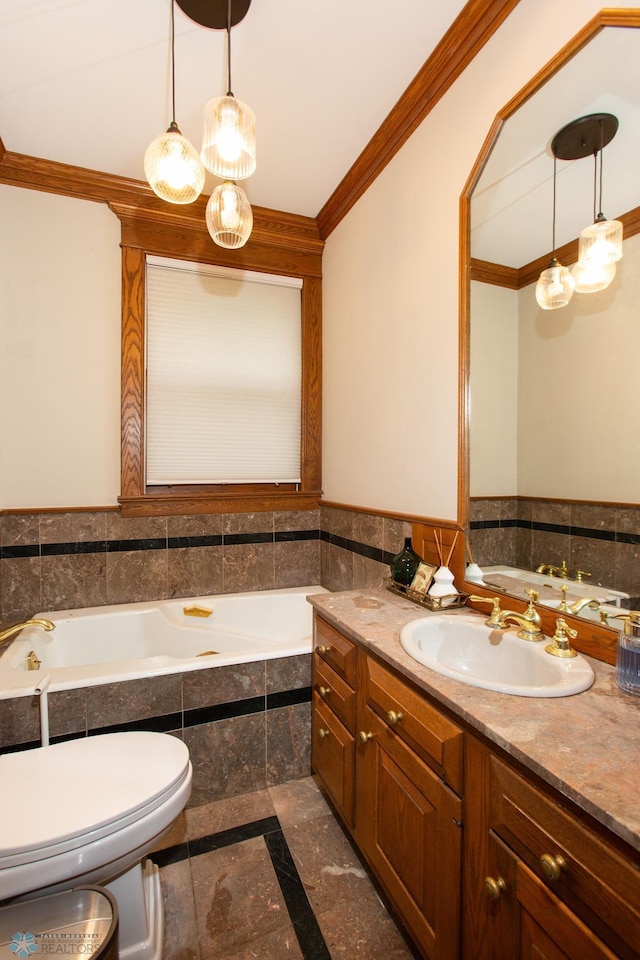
(552,404)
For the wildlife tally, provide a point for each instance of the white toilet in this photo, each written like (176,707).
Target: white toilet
(88,811)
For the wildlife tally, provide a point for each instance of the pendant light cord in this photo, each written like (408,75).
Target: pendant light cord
(229,93)
(173,66)
(600,214)
(553,222)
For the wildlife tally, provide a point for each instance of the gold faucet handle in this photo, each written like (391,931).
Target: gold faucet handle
(564,570)
(580,574)
(494,619)
(563,606)
(560,645)
(534,596)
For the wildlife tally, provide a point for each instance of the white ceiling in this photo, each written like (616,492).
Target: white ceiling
(513,201)
(87,82)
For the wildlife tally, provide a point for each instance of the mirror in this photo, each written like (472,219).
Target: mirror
(554,466)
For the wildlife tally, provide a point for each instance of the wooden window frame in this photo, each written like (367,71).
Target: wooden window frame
(280,243)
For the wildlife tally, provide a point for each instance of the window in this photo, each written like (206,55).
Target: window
(282,246)
(223,379)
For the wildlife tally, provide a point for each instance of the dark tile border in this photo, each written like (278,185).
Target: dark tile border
(306,927)
(566,530)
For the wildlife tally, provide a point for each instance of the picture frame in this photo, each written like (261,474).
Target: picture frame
(423,578)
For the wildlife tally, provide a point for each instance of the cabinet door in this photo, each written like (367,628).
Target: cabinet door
(333,758)
(537,925)
(408,826)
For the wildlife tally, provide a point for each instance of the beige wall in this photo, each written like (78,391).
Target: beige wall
(390,313)
(60,349)
(579,403)
(391,286)
(493,385)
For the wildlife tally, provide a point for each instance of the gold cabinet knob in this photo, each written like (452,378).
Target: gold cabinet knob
(493,888)
(324,691)
(394,717)
(323,648)
(322,733)
(552,867)
(365,737)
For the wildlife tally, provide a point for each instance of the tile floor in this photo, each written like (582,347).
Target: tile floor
(270,875)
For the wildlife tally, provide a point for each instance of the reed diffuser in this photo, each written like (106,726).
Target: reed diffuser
(442,585)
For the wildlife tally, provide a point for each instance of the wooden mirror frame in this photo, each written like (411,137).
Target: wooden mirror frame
(593,639)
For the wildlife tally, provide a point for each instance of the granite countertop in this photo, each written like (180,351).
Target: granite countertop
(587,746)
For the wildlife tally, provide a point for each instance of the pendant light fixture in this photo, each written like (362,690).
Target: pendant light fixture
(591,274)
(229,139)
(172,166)
(555,285)
(600,244)
(229,216)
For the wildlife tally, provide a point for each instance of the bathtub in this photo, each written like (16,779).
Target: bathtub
(98,645)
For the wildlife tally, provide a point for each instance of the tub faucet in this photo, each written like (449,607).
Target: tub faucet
(7,634)
(552,571)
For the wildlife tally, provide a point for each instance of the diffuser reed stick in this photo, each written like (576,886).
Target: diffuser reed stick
(439,547)
(453,546)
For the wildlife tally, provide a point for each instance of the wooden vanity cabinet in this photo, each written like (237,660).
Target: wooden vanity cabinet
(539,881)
(333,716)
(392,765)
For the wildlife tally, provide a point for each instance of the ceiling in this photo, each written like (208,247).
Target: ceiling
(513,200)
(87,82)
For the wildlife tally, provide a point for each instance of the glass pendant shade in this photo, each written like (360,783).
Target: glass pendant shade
(229,139)
(229,216)
(601,242)
(554,288)
(591,276)
(173,168)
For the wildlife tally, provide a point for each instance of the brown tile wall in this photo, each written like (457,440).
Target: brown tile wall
(84,559)
(356,547)
(267,743)
(602,539)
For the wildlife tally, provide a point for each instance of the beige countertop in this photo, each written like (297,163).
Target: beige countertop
(587,746)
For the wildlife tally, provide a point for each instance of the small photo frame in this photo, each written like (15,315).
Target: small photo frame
(422,579)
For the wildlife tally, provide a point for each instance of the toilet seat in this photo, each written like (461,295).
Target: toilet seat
(69,795)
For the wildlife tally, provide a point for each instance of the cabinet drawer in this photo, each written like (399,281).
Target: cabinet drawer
(333,647)
(432,736)
(333,758)
(335,692)
(596,881)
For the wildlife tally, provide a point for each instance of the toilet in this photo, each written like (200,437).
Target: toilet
(88,811)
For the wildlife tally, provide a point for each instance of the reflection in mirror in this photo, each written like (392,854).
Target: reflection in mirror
(554,457)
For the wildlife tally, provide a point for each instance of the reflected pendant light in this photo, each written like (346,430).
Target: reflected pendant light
(229,138)
(601,243)
(555,285)
(172,166)
(229,216)
(591,274)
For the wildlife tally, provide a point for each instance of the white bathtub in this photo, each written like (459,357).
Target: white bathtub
(122,642)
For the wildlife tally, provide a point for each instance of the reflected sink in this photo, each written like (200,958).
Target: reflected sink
(462,647)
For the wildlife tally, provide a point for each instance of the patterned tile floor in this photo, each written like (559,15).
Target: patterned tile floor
(270,875)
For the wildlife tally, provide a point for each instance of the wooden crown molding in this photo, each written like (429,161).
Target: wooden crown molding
(134,199)
(515,278)
(469,32)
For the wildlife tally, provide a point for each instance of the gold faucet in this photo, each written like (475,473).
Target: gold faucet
(494,619)
(529,622)
(17,627)
(552,571)
(560,645)
(577,605)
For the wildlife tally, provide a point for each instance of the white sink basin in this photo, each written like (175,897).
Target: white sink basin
(462,647)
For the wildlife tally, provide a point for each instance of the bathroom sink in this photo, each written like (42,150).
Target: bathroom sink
(462,647)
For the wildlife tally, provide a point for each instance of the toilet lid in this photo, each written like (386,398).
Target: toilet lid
(76,789)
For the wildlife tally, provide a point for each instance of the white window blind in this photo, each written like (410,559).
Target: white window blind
(224,369)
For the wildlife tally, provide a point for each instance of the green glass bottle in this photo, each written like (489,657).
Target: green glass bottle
(404,564)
